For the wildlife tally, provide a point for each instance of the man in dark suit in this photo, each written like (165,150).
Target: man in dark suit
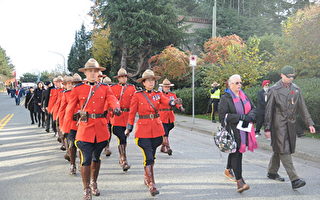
(261,105)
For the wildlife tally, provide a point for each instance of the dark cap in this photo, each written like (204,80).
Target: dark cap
(287,70)
(47,83)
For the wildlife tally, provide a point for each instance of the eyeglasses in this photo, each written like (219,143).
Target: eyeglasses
(238,83)
(290,76)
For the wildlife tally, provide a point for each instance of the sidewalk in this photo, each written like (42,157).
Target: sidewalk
(306,148)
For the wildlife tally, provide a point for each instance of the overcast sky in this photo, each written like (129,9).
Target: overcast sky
(30,30)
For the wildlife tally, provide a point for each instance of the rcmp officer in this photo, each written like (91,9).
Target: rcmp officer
(67,82)
(92,136)
(167,115)
(107,151)
(149,129)
(70,125)
(53,95)
(123,92)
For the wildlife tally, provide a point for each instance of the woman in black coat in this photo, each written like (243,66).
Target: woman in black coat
(235,106)
(37,104)
(29,104)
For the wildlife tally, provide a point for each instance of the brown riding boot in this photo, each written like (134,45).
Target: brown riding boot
(145,177)
(95,168)
(150,180)
(169,150)
(242,186)
(107,151)
(123,158)
(85,174)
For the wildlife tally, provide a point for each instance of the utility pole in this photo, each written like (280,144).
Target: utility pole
(64,60)
(214,20)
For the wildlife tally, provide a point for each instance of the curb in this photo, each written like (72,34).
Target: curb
(262,145)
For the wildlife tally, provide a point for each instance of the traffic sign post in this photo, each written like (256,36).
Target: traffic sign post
(193,64)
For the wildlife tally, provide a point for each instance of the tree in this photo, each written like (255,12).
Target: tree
(29,77)
(80,50)
(301,43)
(102,47)
(216,49)
(6,67)
(244,60)
(171,63)
(140,29)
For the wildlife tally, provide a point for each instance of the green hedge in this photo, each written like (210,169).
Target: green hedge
(310,91)
(201,99)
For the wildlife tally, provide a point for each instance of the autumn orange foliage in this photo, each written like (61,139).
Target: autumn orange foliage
(171,63)
(215,49)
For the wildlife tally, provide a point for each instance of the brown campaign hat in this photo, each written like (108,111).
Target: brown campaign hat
(59,78)
(92,64)
(67,79)
(148,74)
(122,72)
(166,82)
(107,80)
(77,78)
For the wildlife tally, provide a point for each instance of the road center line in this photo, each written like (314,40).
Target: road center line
(2,124)
(4,119)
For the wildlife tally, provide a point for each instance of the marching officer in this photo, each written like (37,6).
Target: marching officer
(167,115)
(92,136)
(53,95)
(67,81)
(149,129)
(123,93)
(107,151)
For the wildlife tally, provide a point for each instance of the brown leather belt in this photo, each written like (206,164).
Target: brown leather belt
(166,109)
(151,116)
(125,109)
(95,116)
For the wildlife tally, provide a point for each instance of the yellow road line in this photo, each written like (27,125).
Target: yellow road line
(6,121)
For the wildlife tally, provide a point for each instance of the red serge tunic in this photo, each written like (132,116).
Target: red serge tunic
(94,130)
(124,94)
(165,111)
(147,128)
(56,105)
(53,98)
(62,109)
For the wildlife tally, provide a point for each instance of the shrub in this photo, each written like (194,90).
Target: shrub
(201,99)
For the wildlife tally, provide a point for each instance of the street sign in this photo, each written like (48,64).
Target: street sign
(193,60)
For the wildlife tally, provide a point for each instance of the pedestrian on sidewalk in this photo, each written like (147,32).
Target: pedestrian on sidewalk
(29,104)
(124,93)
(236,106)
(261,105)
(92,135)
(214,99)
(285,101)
(44,104)
(149,129)
(167,115)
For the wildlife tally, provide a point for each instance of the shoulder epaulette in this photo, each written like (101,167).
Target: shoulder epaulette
(78,84)
(112,84)
(67,91)
(104,84)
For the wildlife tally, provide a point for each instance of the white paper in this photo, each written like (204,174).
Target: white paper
(247,129)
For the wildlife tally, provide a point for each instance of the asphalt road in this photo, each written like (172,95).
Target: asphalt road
(32,168)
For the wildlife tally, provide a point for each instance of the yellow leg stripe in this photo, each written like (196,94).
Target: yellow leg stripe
(143,153)
(81,154)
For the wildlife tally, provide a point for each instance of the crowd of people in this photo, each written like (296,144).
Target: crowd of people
(84,114)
